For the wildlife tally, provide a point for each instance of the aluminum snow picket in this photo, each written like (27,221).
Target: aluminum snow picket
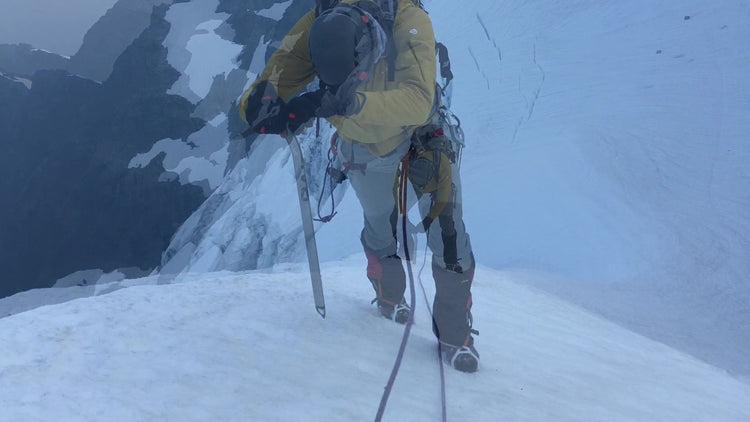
(307,224)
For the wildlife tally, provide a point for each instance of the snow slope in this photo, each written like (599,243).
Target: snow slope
(606,139)
(607,145)
(249,347)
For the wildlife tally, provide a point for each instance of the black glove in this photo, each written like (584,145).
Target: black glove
(275,124)
(267,113)
(264,110)
(301,109)
(289,116)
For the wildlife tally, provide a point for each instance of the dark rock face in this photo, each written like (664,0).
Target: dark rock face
(68,200)
(110,36)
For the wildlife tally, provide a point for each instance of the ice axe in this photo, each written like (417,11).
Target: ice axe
(307,222)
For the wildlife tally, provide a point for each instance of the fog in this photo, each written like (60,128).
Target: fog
(54,25)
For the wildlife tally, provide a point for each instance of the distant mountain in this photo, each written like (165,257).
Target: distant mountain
(24,59)
(68,199)
(110,36)
(102,44)
(107,154)
(52,25)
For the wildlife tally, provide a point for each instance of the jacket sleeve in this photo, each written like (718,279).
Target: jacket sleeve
(411,102)
(289,69)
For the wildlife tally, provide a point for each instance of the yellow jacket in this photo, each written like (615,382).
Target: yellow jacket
(392,109)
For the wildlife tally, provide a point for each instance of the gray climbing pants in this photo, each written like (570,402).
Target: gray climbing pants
(373,179)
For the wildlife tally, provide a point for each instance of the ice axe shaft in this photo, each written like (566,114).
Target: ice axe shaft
(307,223)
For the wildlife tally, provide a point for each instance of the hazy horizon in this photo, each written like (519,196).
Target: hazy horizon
(54,25)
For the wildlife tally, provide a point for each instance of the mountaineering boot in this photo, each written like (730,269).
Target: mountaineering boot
(452,320)
(388,279)
(463,358)
(398,313)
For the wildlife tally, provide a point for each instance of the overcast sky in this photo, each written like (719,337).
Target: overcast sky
(54,25)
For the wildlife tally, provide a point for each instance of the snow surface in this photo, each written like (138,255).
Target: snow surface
(249,347)
(606,139)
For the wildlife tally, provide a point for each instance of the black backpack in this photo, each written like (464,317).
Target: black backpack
(384,11)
